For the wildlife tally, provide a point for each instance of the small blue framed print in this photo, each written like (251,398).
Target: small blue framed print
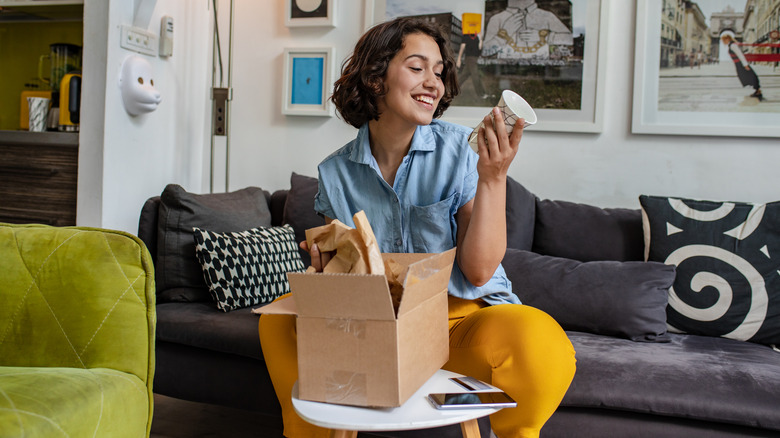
(308,81)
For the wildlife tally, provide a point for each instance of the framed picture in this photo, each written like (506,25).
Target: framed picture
(689,80)
(555,61)
(308,77)
(310,13)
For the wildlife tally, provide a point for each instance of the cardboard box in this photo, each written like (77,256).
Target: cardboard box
(352,347)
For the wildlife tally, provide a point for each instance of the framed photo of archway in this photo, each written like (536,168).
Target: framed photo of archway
(703,75)
(556,62)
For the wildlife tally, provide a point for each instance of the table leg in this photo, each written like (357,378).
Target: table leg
(336,433)
(470,429)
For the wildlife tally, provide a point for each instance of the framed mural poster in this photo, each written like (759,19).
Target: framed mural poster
(699,67)
(308,75)
(550,52)
(309,13)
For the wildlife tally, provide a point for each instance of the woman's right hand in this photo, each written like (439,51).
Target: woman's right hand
(318,259)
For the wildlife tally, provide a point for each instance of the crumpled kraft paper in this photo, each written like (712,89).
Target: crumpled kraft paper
(357,251)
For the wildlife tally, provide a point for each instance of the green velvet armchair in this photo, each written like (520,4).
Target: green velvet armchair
(77,325)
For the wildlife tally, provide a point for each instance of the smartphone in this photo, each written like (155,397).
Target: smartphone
(466,400)
(472,384)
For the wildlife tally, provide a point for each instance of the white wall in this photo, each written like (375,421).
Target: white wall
(609,170)
(124,160)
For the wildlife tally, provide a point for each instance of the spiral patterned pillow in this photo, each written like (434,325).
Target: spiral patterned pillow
(247,268)
(728,265)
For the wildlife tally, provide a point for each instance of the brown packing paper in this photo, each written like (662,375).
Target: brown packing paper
(357,251)
(373,256)
(395,274)
(327,236)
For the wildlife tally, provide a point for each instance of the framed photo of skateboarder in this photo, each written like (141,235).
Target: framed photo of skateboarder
(705,68)
(547,51)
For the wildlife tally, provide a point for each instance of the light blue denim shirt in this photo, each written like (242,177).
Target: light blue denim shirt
(417,214)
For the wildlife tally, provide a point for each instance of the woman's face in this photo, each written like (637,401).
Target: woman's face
(413,82)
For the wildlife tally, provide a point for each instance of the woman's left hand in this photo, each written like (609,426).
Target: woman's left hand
(496,148)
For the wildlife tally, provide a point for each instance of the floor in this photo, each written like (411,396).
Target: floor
(174,418)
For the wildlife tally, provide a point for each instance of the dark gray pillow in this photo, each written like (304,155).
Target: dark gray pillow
(177,272)
(520,215)
(623,299)
(587,233)
(299,209)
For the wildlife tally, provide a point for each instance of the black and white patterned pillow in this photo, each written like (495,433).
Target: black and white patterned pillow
(728,265)
(247,268)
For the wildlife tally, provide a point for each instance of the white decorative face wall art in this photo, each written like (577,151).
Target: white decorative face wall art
(137,85)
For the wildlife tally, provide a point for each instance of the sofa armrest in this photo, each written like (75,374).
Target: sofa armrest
(76,297)
(147,225)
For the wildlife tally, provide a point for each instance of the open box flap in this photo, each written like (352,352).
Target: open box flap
(425,278)
(279,307)
(351,296)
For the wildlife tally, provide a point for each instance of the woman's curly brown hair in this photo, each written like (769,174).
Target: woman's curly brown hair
(355,93)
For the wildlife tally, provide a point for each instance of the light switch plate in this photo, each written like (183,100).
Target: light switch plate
(138,40)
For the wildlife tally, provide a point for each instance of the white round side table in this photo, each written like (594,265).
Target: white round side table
(416,413)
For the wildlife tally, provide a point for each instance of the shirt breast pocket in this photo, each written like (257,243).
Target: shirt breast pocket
(432,226)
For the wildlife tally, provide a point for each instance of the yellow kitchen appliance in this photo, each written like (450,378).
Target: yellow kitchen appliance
(63,58)
(70,102)
(24,108)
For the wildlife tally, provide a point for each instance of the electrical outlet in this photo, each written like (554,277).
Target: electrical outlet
(219,112)
(138,40)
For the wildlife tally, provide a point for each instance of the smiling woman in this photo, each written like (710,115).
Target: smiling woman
(424,190)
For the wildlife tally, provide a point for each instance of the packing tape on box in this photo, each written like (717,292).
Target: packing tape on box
(355,328)
(346,387)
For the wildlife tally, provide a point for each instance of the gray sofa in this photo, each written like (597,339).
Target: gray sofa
(581,264)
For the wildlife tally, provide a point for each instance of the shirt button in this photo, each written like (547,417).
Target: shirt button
(398,243)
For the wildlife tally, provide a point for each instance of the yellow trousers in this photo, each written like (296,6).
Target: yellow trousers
(517,348)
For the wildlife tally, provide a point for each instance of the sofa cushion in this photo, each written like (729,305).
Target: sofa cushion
(178,274)
(587,233)
(299,209)
(711,379)
(520,215)
(728,259)
(625,299)
(76,402)
(247,268)
(201,325)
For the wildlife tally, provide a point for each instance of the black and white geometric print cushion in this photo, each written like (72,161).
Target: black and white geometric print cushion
(247,268)
(728,265)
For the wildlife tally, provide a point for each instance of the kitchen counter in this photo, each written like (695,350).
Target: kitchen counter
(38,177)
(53,138)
